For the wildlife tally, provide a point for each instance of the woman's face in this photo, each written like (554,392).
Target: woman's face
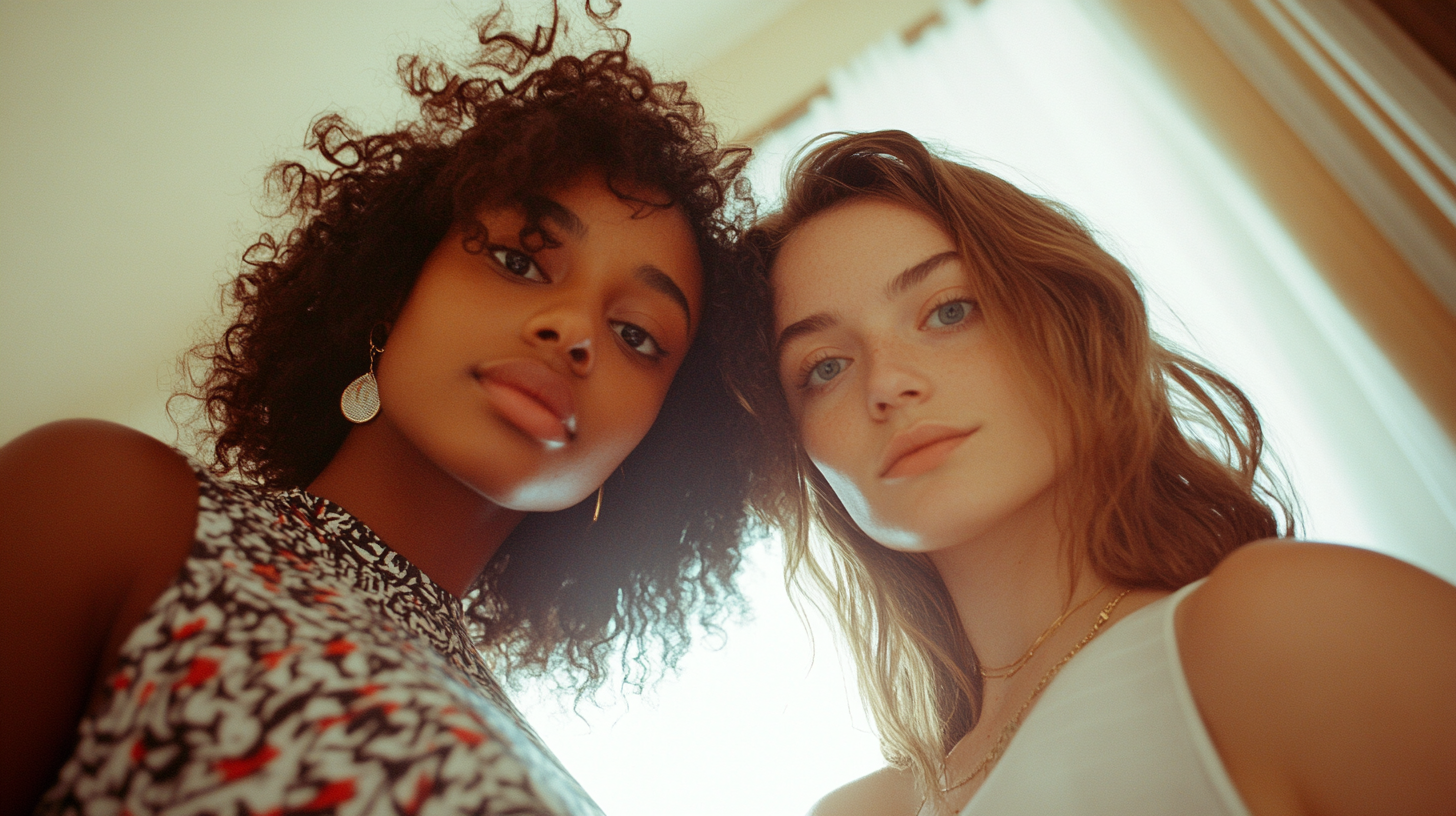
(529,376)
(914,411)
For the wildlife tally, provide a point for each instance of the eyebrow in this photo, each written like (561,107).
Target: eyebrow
(658,281)
(559,215)
(901,282)
(809,325)
(917,273)
(646,274)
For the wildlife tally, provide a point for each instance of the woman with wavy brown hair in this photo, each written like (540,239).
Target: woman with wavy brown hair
(1051,542)
(465,399)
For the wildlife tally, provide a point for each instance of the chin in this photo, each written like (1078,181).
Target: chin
(921,527)
(527,489)
(888,534)
(545,495)
(908,541)
(891,530)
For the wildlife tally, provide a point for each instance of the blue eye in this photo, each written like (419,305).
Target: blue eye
(825,370)
(949,314)
(518,263)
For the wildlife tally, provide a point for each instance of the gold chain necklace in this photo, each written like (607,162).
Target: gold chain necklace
(1015,666)
(1009,730)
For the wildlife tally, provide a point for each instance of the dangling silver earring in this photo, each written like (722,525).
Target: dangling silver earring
(360,402)
(597,513)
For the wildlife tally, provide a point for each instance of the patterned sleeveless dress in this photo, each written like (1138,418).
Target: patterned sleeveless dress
(297,665)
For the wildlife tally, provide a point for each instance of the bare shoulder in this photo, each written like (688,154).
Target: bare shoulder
(89,506)
(1292,575)
(80,473)
(1268,592)
(886,792)
(76,441)
(1323,674)
(95,519)
(86,435)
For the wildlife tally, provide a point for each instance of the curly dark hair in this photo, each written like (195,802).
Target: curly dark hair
(561,594)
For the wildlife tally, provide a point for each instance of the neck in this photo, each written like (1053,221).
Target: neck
(1009,583)
(440,525)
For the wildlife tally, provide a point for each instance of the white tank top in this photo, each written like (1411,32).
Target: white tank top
(1117,732)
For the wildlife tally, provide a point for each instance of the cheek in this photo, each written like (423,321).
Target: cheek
(628,424)
(832,443)
(817,434)
(842,477)
(1044,420)
(626,407)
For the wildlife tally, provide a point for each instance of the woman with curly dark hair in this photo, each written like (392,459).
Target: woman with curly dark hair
(467,400)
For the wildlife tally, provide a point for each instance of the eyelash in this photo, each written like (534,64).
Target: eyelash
(808,371)
(497,252)
(972,308)
(657,354)
(618,326)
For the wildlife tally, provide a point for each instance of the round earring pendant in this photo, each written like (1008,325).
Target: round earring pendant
(360,402)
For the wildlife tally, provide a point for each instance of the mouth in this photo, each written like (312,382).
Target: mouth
(920,449)
(532,397)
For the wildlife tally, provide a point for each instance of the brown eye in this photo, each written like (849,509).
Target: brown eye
(518,264)
(638,339)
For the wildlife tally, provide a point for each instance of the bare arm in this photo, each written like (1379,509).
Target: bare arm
(95,520)
(1327,678)
(886,792)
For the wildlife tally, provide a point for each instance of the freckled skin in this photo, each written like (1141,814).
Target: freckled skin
(903,367)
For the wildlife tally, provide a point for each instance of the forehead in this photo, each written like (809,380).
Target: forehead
(637,209)
(643,235)
(849,254)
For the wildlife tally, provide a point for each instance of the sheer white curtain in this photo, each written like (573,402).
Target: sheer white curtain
(1049,95)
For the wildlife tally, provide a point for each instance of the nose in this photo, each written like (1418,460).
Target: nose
(892,384)
(567,332)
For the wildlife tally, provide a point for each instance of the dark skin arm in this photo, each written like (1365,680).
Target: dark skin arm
(95,521)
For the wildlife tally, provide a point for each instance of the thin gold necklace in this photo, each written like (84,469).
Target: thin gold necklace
(1009,730)
(1015,666)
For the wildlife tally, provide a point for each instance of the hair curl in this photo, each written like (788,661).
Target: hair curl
(1166,475)
(561,594)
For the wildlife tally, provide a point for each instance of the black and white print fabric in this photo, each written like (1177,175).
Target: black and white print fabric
(297,665)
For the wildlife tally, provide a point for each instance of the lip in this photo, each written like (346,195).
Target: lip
(932,442)
(531,396)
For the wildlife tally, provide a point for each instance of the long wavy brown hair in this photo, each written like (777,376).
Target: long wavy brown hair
(1166,476)
(562,593)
